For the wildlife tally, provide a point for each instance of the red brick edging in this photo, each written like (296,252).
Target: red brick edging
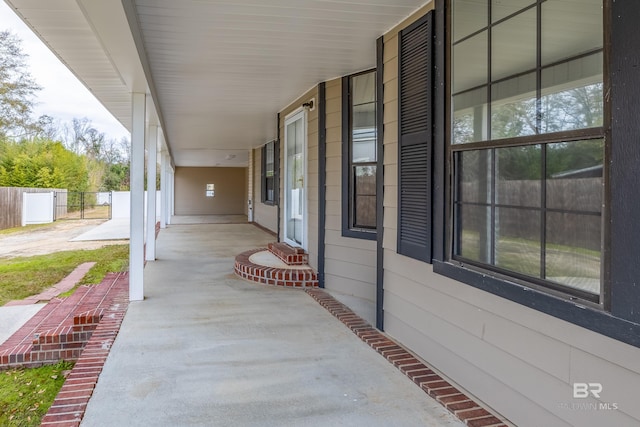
(459,404)
(288,277)
(71,402)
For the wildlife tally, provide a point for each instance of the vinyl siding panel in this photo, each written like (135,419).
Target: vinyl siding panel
(519,361)
(349,263)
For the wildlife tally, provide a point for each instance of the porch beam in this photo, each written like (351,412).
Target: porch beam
(136,225)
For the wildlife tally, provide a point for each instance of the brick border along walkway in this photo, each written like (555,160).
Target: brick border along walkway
(461,405)
(71,402)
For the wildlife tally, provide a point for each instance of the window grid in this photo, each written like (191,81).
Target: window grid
(268,173)
(539,138)
(359,195)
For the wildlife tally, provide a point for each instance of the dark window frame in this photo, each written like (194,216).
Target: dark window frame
(349,228)
(264,179)
(618,317)
(454,151)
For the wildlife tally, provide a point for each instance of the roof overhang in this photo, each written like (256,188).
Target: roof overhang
(217,71)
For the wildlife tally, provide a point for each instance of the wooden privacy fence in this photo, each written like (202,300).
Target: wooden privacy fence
(11,204)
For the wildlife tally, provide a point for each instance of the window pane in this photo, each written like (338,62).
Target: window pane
(570,28)
(363,88)
(474,176)
(513,107)
(470,63)
(469,16)
(518,240)
(513,45)
(363,117)
(364,133)
(503,8)
(572,96)
(474,240)
(269,159)
(519,172)
(574,175)
(365,196)
(470,116)
(269,184)
(573,250)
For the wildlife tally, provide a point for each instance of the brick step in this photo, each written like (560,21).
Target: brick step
(288,277)
(66,328)
(288,254)
(65,311)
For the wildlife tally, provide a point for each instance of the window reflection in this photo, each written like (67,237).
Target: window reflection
(363,151)
(503,221)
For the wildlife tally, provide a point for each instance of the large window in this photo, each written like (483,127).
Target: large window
(527,140)
(360,154)
(269,181)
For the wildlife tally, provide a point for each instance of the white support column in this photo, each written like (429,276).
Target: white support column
(163,189)
(136,241)
(172,192)
(152,160)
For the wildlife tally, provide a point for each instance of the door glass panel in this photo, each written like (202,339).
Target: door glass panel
(295,182)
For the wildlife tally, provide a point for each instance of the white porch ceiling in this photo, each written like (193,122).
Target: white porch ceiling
(219,70)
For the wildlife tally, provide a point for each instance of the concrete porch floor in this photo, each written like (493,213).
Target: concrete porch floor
(206,348)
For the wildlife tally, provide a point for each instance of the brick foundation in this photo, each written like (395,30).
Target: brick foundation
(288,254)
(61,329)
(71,402)
(458,403)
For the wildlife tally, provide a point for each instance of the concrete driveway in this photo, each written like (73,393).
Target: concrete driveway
(55,237)
(208,349)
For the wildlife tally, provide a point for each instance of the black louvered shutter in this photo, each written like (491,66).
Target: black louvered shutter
(415,84)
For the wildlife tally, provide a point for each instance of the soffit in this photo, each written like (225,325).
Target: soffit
(220,69)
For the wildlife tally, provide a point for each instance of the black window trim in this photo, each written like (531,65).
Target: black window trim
(263,175)
(597,300)
(348,230)
(618,317)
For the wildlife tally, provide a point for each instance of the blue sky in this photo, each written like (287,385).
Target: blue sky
(63,97)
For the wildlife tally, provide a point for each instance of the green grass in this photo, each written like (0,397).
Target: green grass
(26,276)
(27,394)
(523,256)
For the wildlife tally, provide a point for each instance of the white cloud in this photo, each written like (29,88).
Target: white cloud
(63,97)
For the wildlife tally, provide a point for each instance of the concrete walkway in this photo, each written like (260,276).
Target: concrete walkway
(114,229)
(12,318)
(206,348)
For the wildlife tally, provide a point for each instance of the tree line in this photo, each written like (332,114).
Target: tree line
(37,151)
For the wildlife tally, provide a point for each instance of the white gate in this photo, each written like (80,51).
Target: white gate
(37,208)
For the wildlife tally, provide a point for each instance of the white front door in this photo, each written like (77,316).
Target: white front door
(295,190)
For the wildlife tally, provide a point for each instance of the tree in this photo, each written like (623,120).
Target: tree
(42,164)
(17,89)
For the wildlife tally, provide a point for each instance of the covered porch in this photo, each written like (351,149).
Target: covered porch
(208,348)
